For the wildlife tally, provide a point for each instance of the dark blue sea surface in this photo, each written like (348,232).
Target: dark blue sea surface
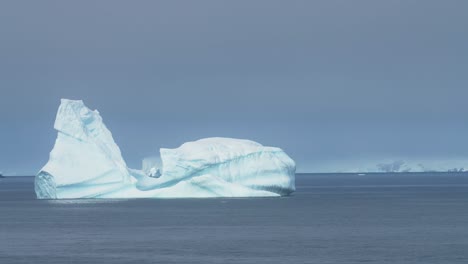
(331,218)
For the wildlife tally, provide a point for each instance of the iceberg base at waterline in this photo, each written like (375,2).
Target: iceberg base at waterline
(87,163)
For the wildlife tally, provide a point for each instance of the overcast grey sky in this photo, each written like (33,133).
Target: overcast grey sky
(327,81)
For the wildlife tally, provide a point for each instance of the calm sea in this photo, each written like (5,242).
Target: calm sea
(332,218)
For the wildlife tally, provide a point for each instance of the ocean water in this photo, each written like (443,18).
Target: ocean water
(332,218)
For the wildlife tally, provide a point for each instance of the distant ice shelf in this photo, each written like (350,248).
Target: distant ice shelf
(86,163)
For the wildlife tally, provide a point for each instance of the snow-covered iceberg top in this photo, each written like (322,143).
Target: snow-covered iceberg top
(86,163)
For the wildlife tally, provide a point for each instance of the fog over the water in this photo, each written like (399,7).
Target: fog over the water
(330,82)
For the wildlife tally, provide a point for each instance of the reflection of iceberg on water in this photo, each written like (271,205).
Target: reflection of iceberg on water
(86,163)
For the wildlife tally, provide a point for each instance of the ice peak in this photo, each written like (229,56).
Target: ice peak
(76,120)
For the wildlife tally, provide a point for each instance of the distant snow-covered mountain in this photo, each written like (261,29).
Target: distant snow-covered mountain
(389,165)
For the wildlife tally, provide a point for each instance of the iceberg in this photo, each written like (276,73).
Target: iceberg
(152,166)
(85,162)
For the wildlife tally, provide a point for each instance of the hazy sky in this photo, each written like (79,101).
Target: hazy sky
(328,81)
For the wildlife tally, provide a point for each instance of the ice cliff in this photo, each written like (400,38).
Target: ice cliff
(86,163)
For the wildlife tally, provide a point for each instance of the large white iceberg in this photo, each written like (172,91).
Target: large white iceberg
(86,163)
